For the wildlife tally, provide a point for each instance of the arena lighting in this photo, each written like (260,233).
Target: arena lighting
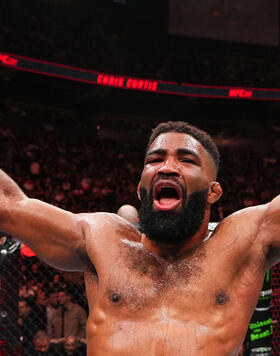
(131,83)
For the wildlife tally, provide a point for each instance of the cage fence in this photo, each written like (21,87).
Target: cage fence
(41,309)
(45,310)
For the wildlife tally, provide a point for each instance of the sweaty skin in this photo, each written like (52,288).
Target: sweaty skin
(192,299)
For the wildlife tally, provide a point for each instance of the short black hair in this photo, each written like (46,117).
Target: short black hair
(41,335)
(183,127)
(68,289)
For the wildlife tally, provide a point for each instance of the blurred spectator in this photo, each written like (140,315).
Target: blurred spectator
(29,322)
(29,289)
(72,347)
(41,297)
(40,307)
(69,318)
(51,307)
(57,280)
(41,346)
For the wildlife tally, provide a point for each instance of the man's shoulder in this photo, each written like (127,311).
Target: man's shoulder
(76,308)
(100,219)
(73,305)
(104,224)
(244,222)
(254,213)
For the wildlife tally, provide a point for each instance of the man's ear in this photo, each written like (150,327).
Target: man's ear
(138,191)
(215,192)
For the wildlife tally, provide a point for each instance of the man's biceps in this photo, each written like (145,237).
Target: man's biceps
(51,216)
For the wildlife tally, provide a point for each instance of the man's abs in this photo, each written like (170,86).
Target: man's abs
(162,337)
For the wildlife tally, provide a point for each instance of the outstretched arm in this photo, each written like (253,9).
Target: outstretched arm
(55,235)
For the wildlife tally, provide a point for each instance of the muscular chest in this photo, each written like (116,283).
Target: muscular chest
(138,280)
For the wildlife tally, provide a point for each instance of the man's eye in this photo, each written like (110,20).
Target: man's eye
(188,160)
(153,160)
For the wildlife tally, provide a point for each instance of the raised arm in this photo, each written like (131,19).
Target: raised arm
(55,235)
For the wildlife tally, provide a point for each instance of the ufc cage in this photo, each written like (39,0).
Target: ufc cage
(28,301)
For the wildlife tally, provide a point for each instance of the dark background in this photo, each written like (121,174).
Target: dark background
(250,21)
(133,38)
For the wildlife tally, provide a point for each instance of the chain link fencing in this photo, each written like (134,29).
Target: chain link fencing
(34,299)
(42,310)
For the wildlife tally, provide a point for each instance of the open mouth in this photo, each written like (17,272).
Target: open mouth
(167,195)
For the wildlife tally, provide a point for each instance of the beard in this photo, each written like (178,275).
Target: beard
(172,227)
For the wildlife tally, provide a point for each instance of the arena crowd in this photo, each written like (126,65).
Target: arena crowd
(81,175)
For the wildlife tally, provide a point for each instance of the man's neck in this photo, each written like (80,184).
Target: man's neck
(169,251)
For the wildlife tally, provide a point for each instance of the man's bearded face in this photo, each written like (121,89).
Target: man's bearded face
(174,226)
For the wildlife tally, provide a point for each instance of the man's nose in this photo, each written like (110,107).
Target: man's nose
(169,167)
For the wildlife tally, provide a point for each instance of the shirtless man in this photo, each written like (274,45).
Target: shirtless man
(169,290)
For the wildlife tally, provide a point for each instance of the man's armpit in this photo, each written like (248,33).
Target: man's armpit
(81,248)
(273,255)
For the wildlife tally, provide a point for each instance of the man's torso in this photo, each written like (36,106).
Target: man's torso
(198,304)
